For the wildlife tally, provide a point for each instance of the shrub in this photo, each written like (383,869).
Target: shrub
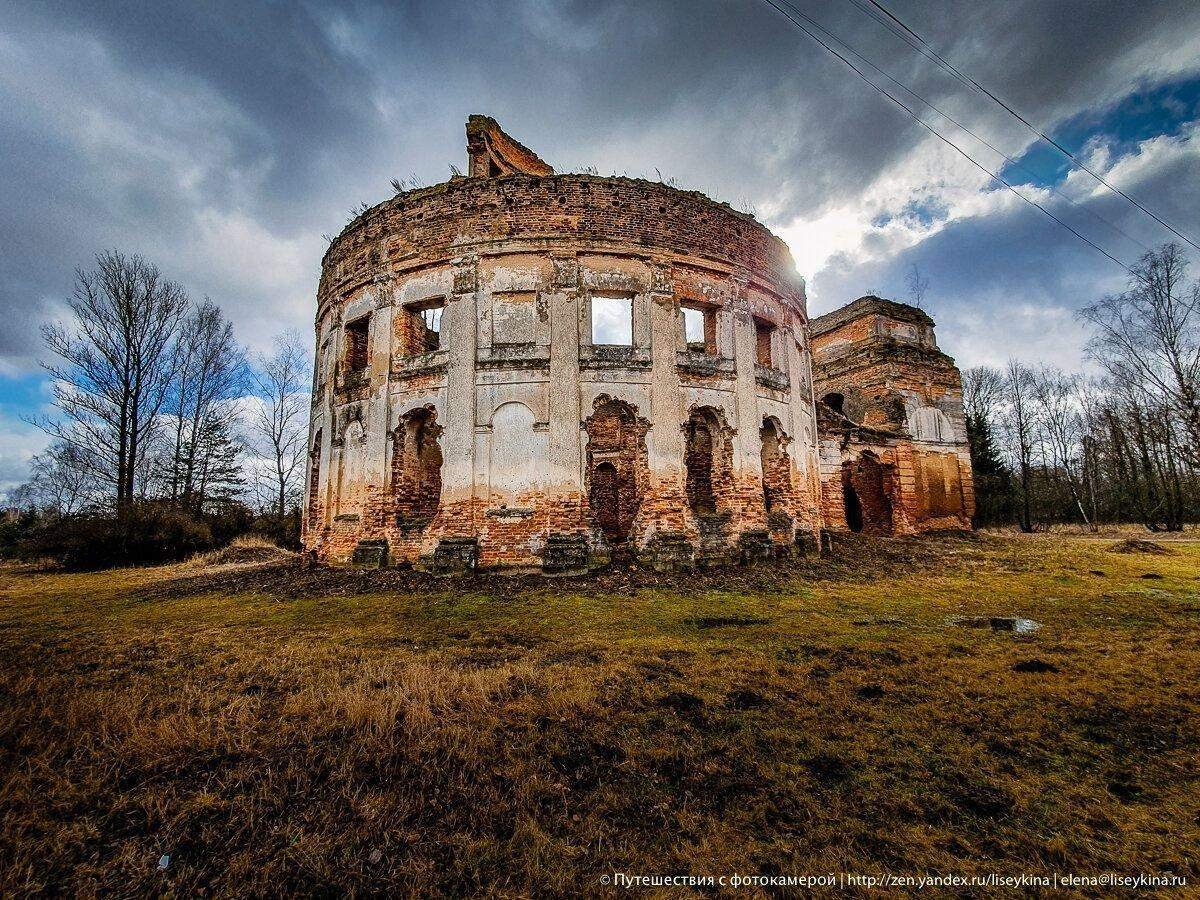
(142,533)
(227,521)
(282,531)
(13,530)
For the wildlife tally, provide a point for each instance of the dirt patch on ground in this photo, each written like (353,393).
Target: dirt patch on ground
(288,576)
(1137,545)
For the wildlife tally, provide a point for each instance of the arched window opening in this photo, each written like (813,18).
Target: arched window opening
(417,466)
(615,453)
(776,467)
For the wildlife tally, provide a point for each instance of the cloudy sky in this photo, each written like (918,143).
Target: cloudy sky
(223,140)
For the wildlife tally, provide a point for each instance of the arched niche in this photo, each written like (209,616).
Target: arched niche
(615,466)
(351,487)
(518,453)
(708,461)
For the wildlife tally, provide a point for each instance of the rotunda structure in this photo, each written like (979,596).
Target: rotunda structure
(528,370)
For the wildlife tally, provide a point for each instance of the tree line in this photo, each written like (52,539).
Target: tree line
(170,437)
(1120,445)
(164,422)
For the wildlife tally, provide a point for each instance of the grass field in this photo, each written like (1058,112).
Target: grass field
(271,728)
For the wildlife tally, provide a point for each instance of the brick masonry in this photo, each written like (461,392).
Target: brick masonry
(894,457)
(501,432)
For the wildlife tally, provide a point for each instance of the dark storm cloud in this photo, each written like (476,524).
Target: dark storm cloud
(223,140)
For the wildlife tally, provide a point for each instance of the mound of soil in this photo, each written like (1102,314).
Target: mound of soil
(236,553)
(287,575)
(1136,545)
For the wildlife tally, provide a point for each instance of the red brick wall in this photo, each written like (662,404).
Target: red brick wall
(416,486)
(429,225)
(432,226)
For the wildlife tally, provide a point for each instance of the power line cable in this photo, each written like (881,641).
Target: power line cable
(971,82)
(850,49)
(786,14)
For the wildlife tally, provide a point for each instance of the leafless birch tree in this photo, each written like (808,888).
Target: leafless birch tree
(115,363)
(279,422)
(1150,336)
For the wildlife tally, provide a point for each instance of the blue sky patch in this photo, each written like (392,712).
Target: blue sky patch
(1164,109)
(23,395)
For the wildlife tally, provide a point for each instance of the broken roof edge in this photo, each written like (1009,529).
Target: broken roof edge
(865,306)
(491,151)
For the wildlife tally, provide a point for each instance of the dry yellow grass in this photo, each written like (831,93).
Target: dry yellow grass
(275,729)
(245,549)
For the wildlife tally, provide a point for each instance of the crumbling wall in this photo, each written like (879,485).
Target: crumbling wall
(708,461)
(492,153)
(938,485)
(880,358)
(616,467)
(416,484)
(776,468)
(312,524)
(868,486)
(509,435)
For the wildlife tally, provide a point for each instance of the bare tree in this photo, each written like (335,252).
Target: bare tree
(917,286)
(63,480)
(1061,428)
(280,420)
(1018,426)
(116,363)
(1150,335)
(209,377)
(983,392)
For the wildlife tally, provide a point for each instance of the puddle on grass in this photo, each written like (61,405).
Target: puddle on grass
(1015,624)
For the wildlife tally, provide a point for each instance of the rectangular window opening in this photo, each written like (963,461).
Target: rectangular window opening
(700,329)
(763,333)
(419,329)
(612,321)
(357,334)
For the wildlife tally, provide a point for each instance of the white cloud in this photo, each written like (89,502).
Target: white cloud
(929,189)
(19,443)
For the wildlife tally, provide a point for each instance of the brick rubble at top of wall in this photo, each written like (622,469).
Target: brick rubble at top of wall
(468,214)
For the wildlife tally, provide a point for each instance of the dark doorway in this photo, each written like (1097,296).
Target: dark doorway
(776,467)
(854,517)
(417,467)
(867,484)
(615,455)
(605,500)
(698,460)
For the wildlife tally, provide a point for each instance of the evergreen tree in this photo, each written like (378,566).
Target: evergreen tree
(220,478)
(993,481)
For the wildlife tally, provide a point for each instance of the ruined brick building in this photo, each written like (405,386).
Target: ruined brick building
(894,453)
(523,369)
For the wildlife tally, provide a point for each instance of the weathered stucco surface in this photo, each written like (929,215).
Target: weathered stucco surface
(894,452)
(468,410)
